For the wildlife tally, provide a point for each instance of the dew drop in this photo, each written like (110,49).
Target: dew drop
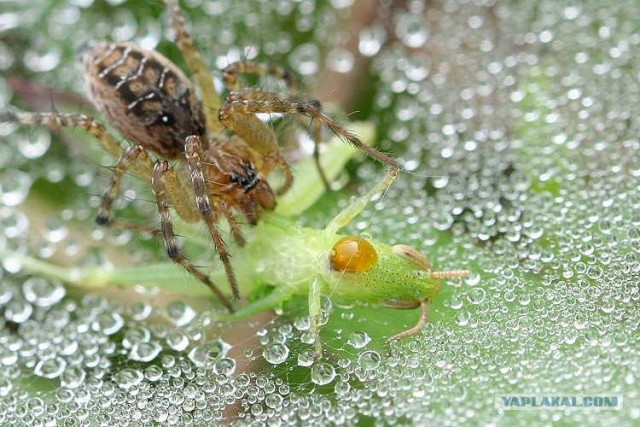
(358,339)
(411,30)
(179,313)
(36,145)
(14,187)
(305,59)
(41,292)
(276,353)
(322,373)
(50,368)
(72,377)
(369,360)
(128,377)
(145,351)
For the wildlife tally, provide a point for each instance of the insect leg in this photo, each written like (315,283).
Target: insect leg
(315,312)
(193,153)
(358,205)
(160,190)
(197,65)
(422,321)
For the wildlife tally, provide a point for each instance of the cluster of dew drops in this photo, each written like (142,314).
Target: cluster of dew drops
(519,140)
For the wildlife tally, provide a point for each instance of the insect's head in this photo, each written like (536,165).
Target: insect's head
(379,273)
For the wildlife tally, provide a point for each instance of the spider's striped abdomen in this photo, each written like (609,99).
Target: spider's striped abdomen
(146,96)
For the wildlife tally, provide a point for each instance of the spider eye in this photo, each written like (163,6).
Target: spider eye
(353,254)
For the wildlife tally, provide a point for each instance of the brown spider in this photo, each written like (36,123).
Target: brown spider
(227,149)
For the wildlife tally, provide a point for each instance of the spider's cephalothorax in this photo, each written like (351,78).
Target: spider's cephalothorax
(221,154)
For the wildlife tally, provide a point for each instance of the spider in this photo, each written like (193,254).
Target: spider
(222,154)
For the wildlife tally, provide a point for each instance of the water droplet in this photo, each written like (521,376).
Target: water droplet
(41,292)
(14,187)
(322,373)
(128,377)
(180,314)
(369,360)
(276,353)
(50,368)
(72,377)
(145,351)
(18,311)
(411,30)
(305,59)
(358,339)
(340,60)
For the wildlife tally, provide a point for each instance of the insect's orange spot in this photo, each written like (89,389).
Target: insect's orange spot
(353,254)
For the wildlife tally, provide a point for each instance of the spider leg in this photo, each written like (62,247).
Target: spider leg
(130,155)
(160,190)
(251,102)
(231,72)
(143,169)
(197,65)
(260,137)
(193,153)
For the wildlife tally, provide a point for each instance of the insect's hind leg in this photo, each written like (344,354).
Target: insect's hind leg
(166,226)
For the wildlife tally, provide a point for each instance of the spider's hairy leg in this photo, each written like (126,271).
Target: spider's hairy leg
(160,190)
(260,137)
(256,101)
(233,70)
(142,169)
(193,153)
(210,97)
(129,157)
